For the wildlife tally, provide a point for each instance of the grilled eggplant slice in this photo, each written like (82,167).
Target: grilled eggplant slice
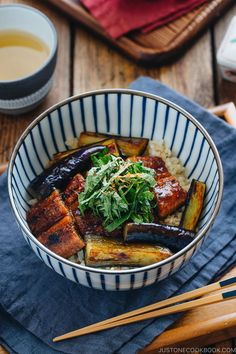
(194,205)
(58,175)
(88,138)
(45,213)
(109,143)
(62,238)
(127,146)
(103,251)
(172,237)
(61,155)
(131,146)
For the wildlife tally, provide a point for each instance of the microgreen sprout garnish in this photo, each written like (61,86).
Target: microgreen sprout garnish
(118,190)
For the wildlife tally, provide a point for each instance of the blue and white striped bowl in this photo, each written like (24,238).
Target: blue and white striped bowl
(129,113)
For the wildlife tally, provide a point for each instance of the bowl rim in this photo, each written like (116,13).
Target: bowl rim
(85,268)
(52,49)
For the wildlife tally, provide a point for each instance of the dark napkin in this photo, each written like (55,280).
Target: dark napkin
(119,17)
(47,304)
(16,339)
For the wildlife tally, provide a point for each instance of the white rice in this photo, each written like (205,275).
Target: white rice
(173,164)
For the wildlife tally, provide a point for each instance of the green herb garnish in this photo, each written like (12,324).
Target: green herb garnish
(118,191)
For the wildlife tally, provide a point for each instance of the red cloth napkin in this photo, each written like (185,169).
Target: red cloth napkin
(118,17)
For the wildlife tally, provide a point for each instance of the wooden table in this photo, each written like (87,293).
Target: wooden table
(86,63)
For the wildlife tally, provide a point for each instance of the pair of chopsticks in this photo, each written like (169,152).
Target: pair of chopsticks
(165,307)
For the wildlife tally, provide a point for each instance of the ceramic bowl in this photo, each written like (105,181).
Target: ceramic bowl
(129,113)
(21,95)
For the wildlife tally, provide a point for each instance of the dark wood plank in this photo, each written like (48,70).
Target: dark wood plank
(226,89)
(98,66)
(12,126)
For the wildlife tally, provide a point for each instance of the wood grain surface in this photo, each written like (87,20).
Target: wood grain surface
(109,69)
(86,63)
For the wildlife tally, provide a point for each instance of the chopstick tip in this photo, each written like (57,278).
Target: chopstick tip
(57,339)
(63,337)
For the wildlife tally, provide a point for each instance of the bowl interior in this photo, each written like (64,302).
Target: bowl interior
(120,112)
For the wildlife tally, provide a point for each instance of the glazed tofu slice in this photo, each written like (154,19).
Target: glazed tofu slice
(168,192)
(62,238)
(92,224)
(169,196)
(154,162)
(45,213)
(73,188)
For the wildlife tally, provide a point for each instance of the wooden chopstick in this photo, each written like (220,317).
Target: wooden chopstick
(212,299)
(140,314)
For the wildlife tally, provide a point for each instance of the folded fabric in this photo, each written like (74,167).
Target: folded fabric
(16,339)
(119,17)
(22,341)
(188,6)
(46,304)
